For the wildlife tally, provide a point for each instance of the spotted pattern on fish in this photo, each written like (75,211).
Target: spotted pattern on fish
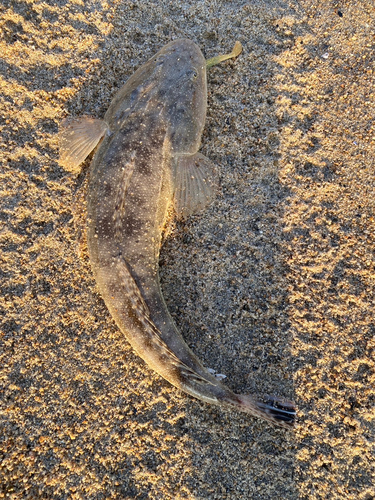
(147,160)
(122,188)
(142,313)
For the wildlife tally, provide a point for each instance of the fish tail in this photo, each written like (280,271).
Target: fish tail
(278,411)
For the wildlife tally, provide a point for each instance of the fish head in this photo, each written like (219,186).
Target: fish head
(183,90)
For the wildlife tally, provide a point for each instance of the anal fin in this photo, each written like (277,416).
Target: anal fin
(77,138)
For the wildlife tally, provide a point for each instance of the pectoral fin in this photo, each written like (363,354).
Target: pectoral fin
(194,183)
(77,138)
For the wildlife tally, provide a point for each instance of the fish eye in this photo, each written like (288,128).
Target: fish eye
(159,59)
(193,74)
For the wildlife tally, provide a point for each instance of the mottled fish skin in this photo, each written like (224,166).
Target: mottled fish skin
(156,119)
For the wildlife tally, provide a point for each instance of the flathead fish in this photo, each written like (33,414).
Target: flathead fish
(147,160)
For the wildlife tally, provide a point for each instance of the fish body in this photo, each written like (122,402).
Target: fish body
(147,161)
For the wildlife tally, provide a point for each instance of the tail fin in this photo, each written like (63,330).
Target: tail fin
(280,412)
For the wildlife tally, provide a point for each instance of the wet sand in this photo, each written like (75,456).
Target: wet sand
(273,285)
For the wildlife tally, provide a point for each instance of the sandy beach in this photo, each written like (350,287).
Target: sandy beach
(272,285)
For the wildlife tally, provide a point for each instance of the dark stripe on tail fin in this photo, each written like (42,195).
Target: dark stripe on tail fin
(280,410)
